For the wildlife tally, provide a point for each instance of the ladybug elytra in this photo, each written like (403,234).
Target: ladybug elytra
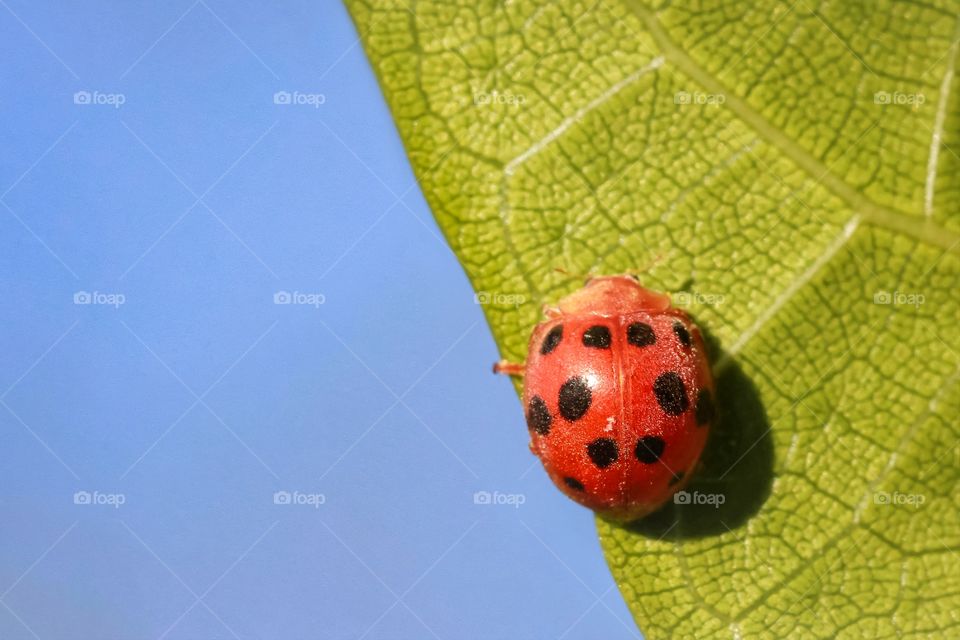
(618,396)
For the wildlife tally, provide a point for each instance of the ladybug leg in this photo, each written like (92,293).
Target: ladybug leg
(551,312)
(508,368)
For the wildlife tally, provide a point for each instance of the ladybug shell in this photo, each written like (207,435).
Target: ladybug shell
(618,396)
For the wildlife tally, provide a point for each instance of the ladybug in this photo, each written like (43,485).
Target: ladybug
(618,395)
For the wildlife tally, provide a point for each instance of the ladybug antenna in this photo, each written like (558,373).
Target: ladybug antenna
(586,277)
(654,261)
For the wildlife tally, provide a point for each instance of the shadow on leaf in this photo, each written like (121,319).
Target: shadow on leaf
(736,469)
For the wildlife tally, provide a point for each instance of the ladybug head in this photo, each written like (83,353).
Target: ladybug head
(614,294)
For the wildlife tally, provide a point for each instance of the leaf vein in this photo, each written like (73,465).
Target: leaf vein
(578,115)
(871,211)
(938,124)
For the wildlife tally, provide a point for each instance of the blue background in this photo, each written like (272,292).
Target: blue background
(197,200)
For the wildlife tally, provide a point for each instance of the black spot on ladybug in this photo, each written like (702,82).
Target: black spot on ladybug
(649,449)
(677,477)
(575,399)
(640,334)
(670,392)
(597,337)
(538,416)
(682,334)
(603,452)
(551,340)
(704,408)
(573,483)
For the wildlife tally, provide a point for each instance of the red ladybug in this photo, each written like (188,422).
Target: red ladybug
(618,395)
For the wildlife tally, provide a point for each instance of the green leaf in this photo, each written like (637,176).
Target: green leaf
(785,170)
